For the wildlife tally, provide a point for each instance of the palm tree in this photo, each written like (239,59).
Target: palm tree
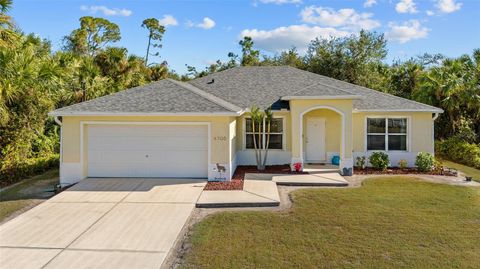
(259,118)
(8,36)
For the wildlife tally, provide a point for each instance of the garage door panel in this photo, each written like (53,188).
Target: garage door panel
(147,151)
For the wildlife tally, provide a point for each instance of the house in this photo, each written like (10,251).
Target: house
(185,129)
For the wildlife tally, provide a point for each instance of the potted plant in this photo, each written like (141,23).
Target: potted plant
(297,166)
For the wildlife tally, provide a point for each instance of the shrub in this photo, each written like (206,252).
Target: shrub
(361,162)
(402,163)
(425,162)
(379,160)
(12,172)
(457,150)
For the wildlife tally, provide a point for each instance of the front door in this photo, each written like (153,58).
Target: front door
(315,140)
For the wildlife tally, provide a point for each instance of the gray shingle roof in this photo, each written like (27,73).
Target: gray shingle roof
(245,86)
(162,96)
(239,88)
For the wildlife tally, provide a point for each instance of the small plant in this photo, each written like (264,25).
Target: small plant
(361,162)
(402,164)
(425,161)
(379,160)
(297,166)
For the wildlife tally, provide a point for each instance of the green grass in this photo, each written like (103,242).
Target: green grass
(27,193)
(467,170)
(397,222)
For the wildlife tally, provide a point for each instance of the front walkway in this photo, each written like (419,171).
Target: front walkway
(101,223)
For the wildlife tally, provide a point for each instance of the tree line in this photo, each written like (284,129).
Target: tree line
(35,79)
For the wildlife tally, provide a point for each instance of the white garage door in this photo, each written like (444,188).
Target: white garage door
(147,151)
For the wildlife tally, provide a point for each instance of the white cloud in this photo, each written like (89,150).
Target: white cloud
(107,11)
(407,31)
(206,24)
(406,6)
(430,13)
(369,3)
(347,18)
(448,6)
(281,2)
(168,20)
(283,38)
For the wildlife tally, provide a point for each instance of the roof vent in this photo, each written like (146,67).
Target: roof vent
(211,82)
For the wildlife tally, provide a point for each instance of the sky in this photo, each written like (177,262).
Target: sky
(200,32)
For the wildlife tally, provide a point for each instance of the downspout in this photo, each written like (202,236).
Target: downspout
(59,122)
(433,132)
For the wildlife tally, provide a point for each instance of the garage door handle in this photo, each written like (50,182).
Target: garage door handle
(146,156)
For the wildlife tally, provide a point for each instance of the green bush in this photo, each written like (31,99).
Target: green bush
(379,160)
(425,161)
(11,173)
(457,150)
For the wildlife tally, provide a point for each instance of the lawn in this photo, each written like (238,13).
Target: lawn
(467,170)
(29,192)
(397,222)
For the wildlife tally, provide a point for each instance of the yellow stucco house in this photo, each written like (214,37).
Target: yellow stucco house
(184,129)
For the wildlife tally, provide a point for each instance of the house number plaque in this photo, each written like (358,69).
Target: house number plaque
(220,138)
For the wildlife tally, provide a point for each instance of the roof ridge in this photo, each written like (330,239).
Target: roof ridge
(206,95)
(368,89)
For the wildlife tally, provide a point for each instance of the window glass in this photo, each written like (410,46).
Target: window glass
(375,125)
(275,141)
(376,142)
(276,134)
(276,126)
(397,142)
(397,126)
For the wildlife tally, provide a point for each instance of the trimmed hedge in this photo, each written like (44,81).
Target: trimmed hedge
(30,167)
(459,151)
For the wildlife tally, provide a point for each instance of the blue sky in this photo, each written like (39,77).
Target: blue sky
(200,32)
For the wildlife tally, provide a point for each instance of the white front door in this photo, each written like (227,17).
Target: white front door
(315,140)
(148,151)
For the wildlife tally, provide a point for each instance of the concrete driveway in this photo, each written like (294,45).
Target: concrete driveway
(101,223)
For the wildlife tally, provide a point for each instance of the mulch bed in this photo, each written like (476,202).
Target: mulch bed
(402,171)
(237,180)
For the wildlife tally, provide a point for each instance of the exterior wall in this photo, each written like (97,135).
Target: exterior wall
(419,135)
(333,130)
(298,109)
(275,156)
(73,169)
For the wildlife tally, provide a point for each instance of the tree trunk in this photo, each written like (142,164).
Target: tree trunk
(148,49)
(255,142)
(266,147)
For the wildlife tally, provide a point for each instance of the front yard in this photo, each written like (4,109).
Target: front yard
(398,222)
(26,194)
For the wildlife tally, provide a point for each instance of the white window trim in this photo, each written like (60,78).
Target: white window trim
(408,134)
(284,141)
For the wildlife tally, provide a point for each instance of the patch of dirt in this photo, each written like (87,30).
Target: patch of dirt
(237,180)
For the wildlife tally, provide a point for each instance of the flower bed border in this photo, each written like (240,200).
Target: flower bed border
(402,171)
(238,177)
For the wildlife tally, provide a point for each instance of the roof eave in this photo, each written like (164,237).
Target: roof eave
(124,114)
(322,97)
(432,110)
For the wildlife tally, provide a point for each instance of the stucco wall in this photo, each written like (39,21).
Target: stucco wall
(298,109)
(333,129)
(73,170)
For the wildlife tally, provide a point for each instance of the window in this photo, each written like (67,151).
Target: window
(387,134)
(276,134)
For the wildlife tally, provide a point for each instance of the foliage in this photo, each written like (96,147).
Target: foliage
(403,164)
(155,35)
(379,160)
(93,34)
(425,161)
(12,172)
(457,150)
(250,56)
(259,118)
(361,162)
